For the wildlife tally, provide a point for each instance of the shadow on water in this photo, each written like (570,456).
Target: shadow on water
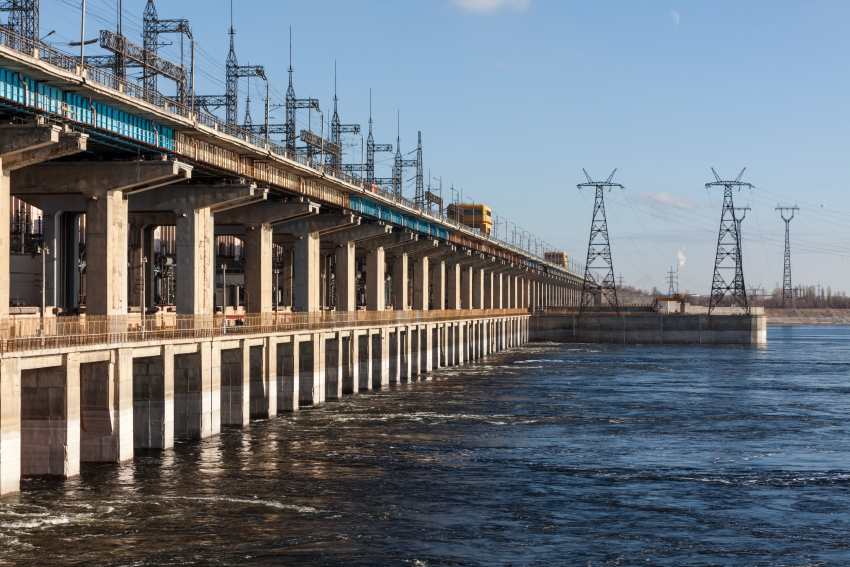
(548,454)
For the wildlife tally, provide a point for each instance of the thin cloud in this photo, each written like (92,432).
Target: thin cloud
(669,199)
(491,6)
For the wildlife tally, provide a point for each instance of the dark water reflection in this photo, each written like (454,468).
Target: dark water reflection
(549,454)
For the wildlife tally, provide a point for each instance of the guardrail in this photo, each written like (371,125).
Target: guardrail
(64,332)
(70,63)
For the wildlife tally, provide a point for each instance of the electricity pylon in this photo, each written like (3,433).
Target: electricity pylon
(728,257)
(671,279)
(787,292)
(599,248)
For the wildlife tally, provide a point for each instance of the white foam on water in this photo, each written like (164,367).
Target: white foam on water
(269,503)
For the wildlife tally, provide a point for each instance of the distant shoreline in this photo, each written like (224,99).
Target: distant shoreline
(797,317)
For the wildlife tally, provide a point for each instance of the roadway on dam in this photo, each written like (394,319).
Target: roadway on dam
(542,454)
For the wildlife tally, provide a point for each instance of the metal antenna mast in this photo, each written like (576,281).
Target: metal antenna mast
(337,130)
(729,258)
(372,147)
(787,295)
(598,248)
(248,121)
(420,184)
(293,103)
(399,164)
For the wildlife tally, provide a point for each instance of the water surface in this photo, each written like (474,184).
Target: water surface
(544,455)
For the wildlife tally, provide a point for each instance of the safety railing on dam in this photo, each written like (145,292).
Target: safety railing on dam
(65,332)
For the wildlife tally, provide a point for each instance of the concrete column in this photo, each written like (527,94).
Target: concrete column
(354,361)
(376,280)
(288,366)
(286,281)
(258,268)
(454,286)
(365,342)
(428,348)
(514,293)
(438,284)
(306,272)
(420,284)
(106,399)
(415,336)
(345,281)
(466,287)
(140,244)
(405,362)
(106,254)
(195,271)
(312,370)
(488,289)
(381,372)
(506,291)
(497,290)
(10,421)
(235,384)
(50,419)
(394,340)
(153,401)
(444,342)
(333,367)
(399,282)
(197,391)
(262,394)
(5,241)
(477,288)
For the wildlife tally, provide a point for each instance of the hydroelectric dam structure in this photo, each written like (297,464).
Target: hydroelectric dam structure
(347,285)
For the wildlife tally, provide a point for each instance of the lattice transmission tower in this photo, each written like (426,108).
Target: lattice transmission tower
(787,290)
(599,249)
(672,276)
(23,17)
(728,260)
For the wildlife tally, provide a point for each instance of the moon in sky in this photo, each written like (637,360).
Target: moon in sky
(675,17)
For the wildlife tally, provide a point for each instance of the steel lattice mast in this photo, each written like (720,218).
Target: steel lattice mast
(372,147)
(729,258)
(599,248)
(420,184)
(787,290)
(23,17)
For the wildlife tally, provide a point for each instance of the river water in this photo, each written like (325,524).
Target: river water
(544,455)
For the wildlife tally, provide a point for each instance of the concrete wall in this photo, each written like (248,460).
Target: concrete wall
(25,278)
(649,329)
(785,317)
(98,403)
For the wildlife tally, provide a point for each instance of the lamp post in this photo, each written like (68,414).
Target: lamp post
(44,252)
(144,260)
(224,298)
(276,292)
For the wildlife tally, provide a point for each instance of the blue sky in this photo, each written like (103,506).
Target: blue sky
(515,97)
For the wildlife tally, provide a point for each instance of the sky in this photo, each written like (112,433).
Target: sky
(515,97)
